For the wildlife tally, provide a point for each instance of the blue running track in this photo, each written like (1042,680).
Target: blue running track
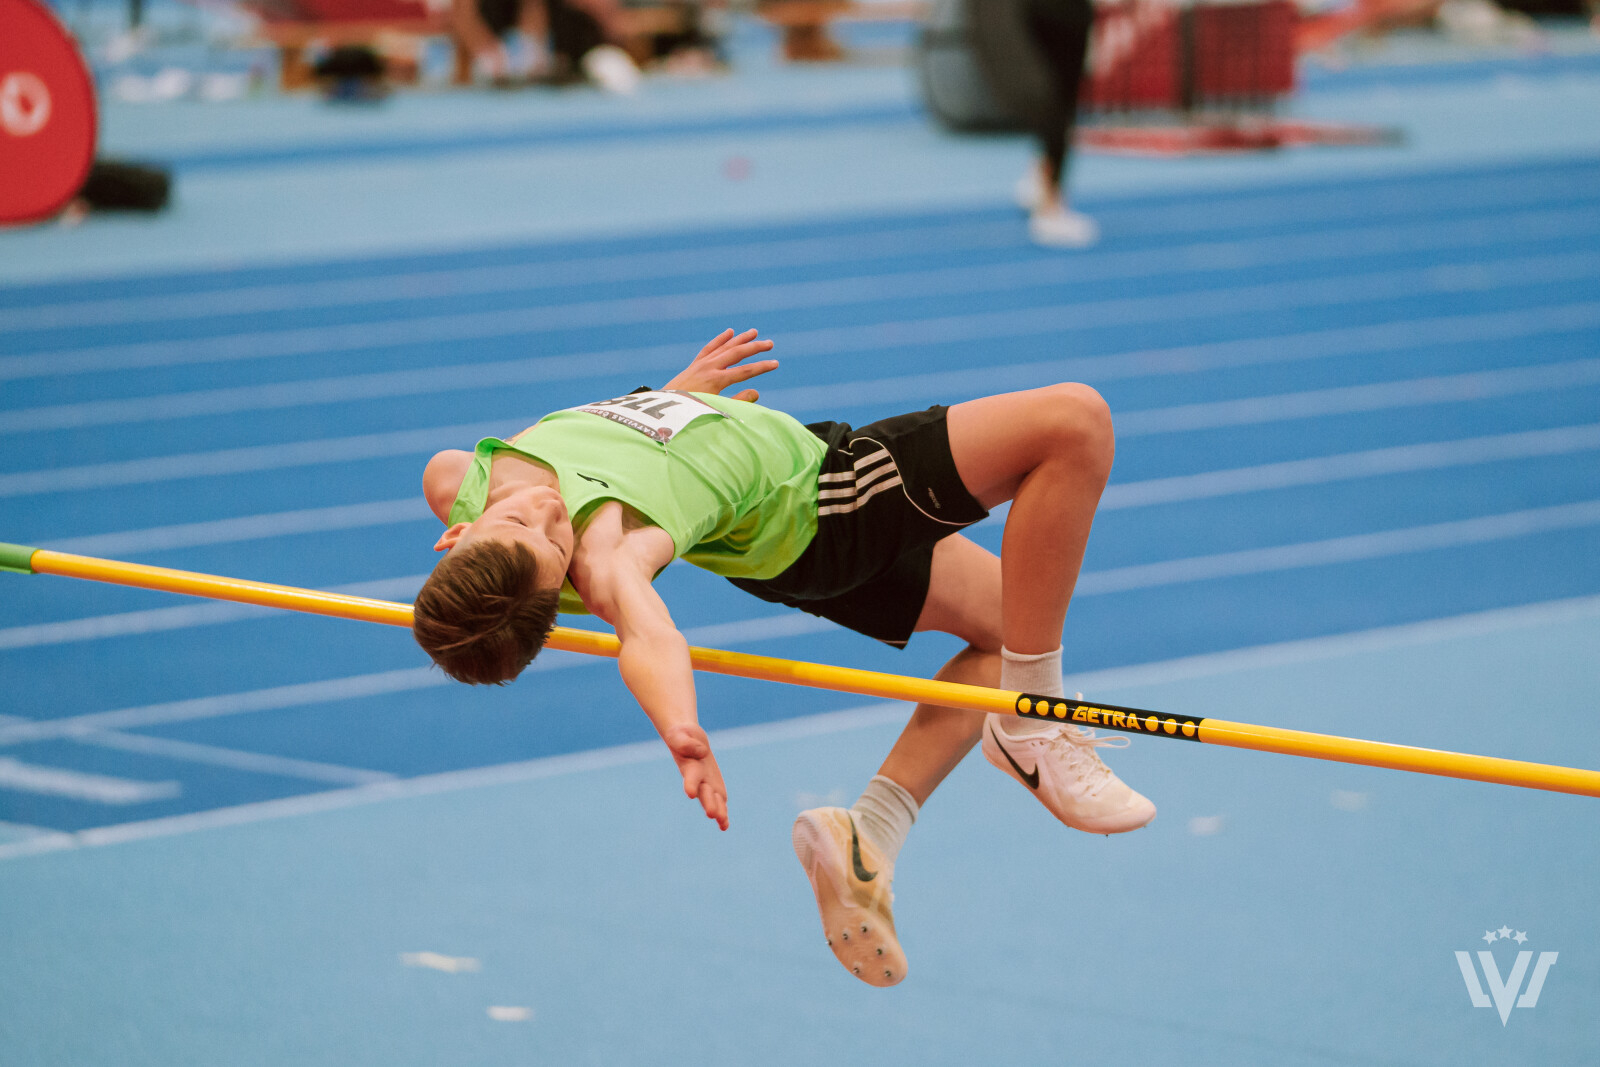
(1347,405)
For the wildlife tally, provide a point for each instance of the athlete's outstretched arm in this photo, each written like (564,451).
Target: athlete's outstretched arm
(612,572)
(716,367)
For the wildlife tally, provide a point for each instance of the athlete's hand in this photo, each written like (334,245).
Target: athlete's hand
(702,780)
(717,365)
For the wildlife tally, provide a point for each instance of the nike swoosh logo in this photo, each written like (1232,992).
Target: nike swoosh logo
(855,855)
(597,481)
(1029,778)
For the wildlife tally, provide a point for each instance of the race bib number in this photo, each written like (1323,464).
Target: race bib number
(658,415)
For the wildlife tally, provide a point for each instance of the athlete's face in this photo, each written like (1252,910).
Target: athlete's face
(533,516)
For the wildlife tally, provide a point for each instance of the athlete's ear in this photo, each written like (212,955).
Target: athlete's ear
(448,539)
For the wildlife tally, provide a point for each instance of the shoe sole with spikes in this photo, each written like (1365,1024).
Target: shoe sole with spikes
(851,882)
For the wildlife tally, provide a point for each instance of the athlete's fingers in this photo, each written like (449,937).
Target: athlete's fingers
(746,348)
(727,357)
(746,338)
(750,370)
(715,804)
(729,366)
(693,780)
(749,396)
(715,343)
(728,339)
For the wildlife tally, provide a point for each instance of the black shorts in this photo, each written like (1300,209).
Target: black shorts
(886,494)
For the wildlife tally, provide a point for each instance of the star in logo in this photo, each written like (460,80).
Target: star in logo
(1489,936)
(1521,937)
(1504,931)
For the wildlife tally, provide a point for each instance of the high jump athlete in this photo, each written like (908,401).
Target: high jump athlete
(861,526)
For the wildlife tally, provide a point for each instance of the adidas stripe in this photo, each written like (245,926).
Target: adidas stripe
(869,476)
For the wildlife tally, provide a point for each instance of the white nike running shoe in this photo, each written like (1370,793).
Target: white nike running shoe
(851,880)
(1059,765)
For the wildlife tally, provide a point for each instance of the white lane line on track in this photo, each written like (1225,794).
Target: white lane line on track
(1310,650)
(1348,466)
(1320,470)
(1349,399)
(432,381)
(233,759)
(1251,251)
(235,461)
(183,616)
(1340,290)
(11,832)
(519,277)
(423,381)
(404,680)
(1531,192)
(1182,359)
(248,528)
(210,613)
(1186,359)
(1359,547)
(211,755)
(298,695)
(23,777)
(868,716)
(1351,549)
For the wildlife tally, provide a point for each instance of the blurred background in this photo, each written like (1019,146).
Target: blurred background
(1334,266)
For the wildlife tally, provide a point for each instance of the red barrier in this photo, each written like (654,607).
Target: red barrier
(47,114)
(1148,55)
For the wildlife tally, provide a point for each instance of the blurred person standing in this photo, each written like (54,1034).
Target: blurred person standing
(1032,54)
(582,37)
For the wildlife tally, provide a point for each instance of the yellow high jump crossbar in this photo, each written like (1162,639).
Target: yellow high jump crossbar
(25,560)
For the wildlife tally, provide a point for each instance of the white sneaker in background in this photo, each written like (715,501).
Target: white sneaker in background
(1062,227)
(611,69)
(851,880)
(1060,766)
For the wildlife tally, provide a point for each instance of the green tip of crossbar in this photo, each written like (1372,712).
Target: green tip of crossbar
(17,558)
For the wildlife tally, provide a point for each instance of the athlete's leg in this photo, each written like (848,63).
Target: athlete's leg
(849,854)
(964,600)
(1049,452)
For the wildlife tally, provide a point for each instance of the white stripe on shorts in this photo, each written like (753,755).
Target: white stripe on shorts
(839,509)
(869,460)
(876,467)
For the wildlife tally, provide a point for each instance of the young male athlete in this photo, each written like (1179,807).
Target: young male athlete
(583,509)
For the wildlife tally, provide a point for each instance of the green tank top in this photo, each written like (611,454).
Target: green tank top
(734,484)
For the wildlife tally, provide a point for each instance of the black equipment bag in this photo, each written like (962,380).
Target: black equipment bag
(979,67)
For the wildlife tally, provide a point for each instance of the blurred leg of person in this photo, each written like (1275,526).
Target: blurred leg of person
(479,25)
(584,36)
(1059,30)
(580,35)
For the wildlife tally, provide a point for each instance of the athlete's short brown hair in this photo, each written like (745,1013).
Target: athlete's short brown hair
(481,614)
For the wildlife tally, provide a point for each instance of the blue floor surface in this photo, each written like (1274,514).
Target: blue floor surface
(1357,393)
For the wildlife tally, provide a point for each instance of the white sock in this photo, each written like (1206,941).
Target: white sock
(1040,675)
(885,813)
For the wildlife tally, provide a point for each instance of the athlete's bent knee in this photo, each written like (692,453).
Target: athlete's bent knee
(1078,421)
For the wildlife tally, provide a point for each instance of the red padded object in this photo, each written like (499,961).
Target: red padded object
(1148,54)
(47,114)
